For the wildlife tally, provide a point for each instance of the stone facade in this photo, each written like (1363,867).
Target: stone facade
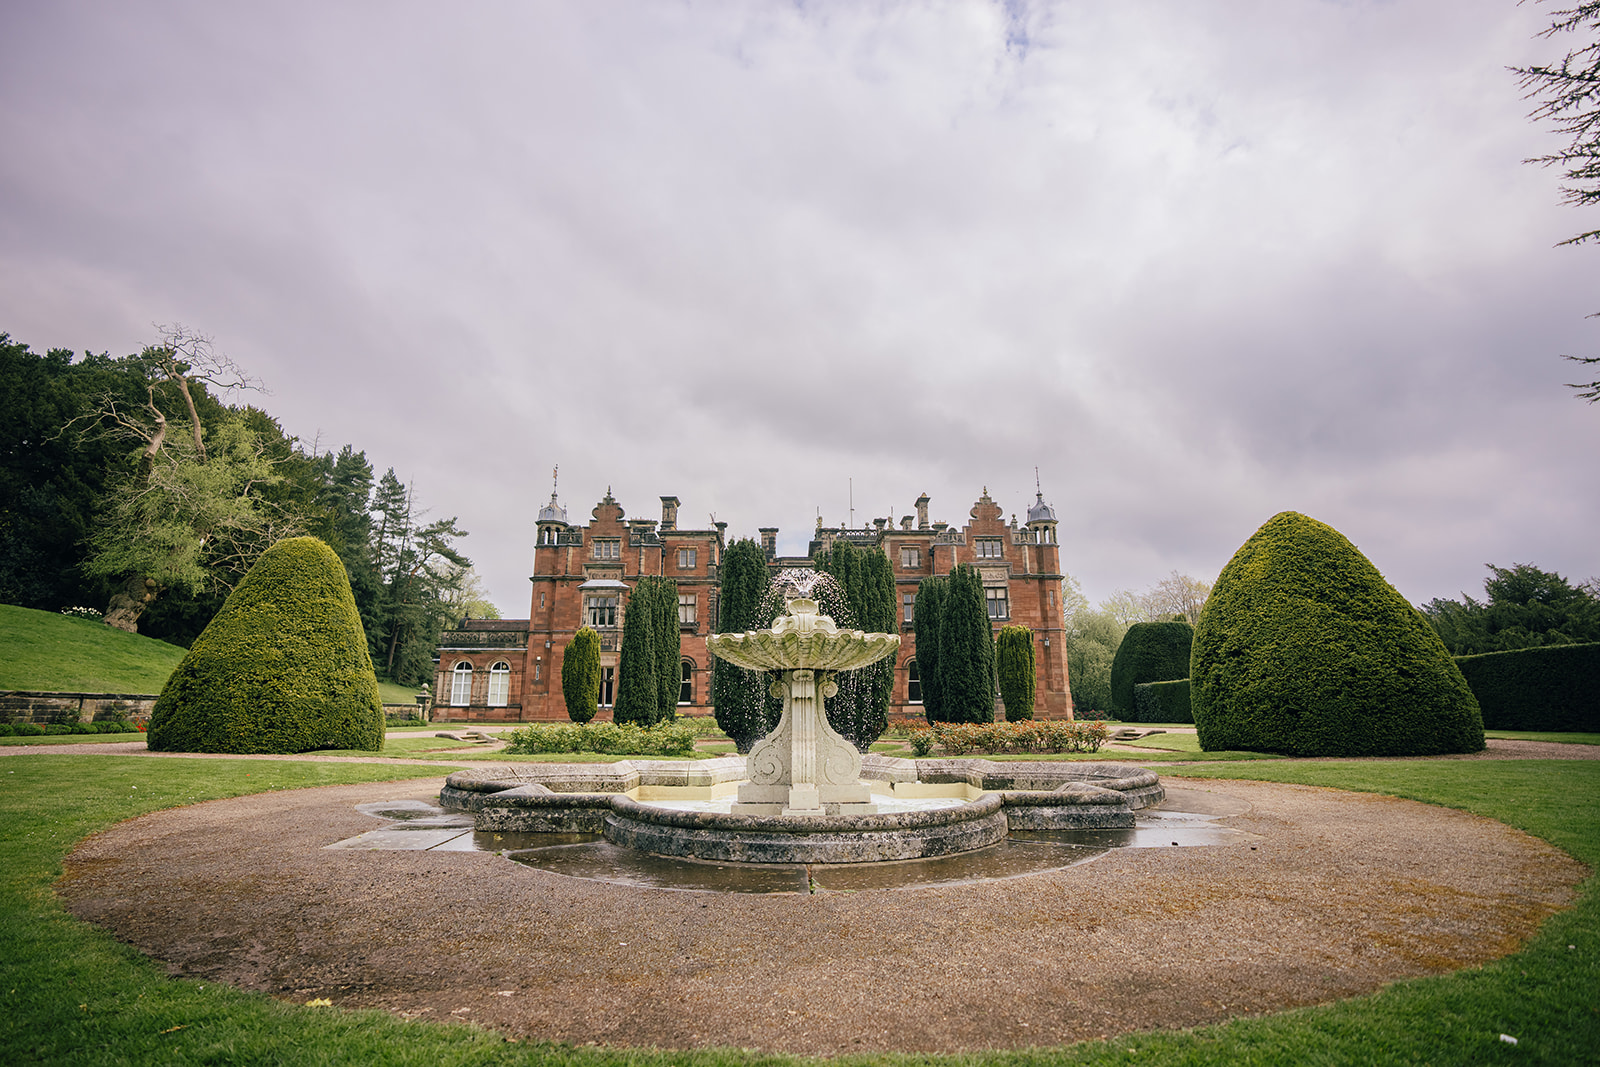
(509,670)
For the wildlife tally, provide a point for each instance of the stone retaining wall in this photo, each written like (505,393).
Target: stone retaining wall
(46,708)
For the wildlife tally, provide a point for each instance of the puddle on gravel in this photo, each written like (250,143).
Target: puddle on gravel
(415,825)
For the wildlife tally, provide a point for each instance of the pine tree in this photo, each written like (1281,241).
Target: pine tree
(739,696)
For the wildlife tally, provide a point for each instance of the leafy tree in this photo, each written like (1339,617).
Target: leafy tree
(1304,649)
(1092,638)
(1525,608)
(638,693)
(1569,98)
(463,596)
(737,695)
(283,667)
(926,619)
(185,520)
(1014,664)
(580,675)
(1174,596)
(966,649)
(180,515)
(860,710)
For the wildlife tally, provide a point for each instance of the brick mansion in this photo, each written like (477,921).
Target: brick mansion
(509,670)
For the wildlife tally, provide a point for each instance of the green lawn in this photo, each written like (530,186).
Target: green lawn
(1536,735)
(51,653)
(1167,742)
(71,994)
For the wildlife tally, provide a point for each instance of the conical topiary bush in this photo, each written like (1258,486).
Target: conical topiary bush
(283,667)
(1303,648)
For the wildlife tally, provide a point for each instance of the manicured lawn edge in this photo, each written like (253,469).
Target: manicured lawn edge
(73,995)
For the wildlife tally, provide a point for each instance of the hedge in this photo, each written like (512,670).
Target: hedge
(1150,652)
(1304,649)
(1552,687)
(1162,702)
(283,667)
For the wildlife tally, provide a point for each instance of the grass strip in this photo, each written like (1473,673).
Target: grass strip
(73,995)
(1544,735)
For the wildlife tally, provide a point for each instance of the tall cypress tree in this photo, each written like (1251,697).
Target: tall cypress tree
(580,675)
(638,695)
(738,695)
(925,619)
(1014,667)
(966,650)
(667,644)
(860,710)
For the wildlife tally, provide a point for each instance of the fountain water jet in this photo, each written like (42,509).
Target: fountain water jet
(804,767)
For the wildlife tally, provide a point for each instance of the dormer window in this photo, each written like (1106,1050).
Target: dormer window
(989,547)
(607,548)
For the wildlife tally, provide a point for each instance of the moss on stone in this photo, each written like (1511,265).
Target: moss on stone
(1304,649)
(283,667)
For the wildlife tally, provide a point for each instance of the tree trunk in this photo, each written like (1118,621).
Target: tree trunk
(129,602)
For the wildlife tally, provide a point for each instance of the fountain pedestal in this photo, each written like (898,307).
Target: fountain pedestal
(804,767)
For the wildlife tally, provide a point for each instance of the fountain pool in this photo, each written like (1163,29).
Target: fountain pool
(804,795)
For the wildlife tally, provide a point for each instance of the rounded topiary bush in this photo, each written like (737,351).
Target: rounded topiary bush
(1150,652)
(1304,649)
(283,667)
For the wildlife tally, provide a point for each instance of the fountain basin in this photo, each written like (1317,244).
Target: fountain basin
(616,799)
(870,838)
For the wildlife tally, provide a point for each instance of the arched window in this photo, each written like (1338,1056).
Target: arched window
(913,683)
(500,684)
(461,685)
(686,687)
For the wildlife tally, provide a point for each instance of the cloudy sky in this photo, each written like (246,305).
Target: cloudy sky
(1197,262)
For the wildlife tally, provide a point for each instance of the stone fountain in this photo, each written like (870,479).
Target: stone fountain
(804,795)
(804,767)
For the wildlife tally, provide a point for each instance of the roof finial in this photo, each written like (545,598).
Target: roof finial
(1036,487)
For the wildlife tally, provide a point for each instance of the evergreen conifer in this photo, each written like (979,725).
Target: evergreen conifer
(966,649)
(580,675)
(1014,666)
(925,620)
(283,667)
(1304,649)
(738,695)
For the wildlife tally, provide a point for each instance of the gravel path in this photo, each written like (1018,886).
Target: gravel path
(1334,895)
